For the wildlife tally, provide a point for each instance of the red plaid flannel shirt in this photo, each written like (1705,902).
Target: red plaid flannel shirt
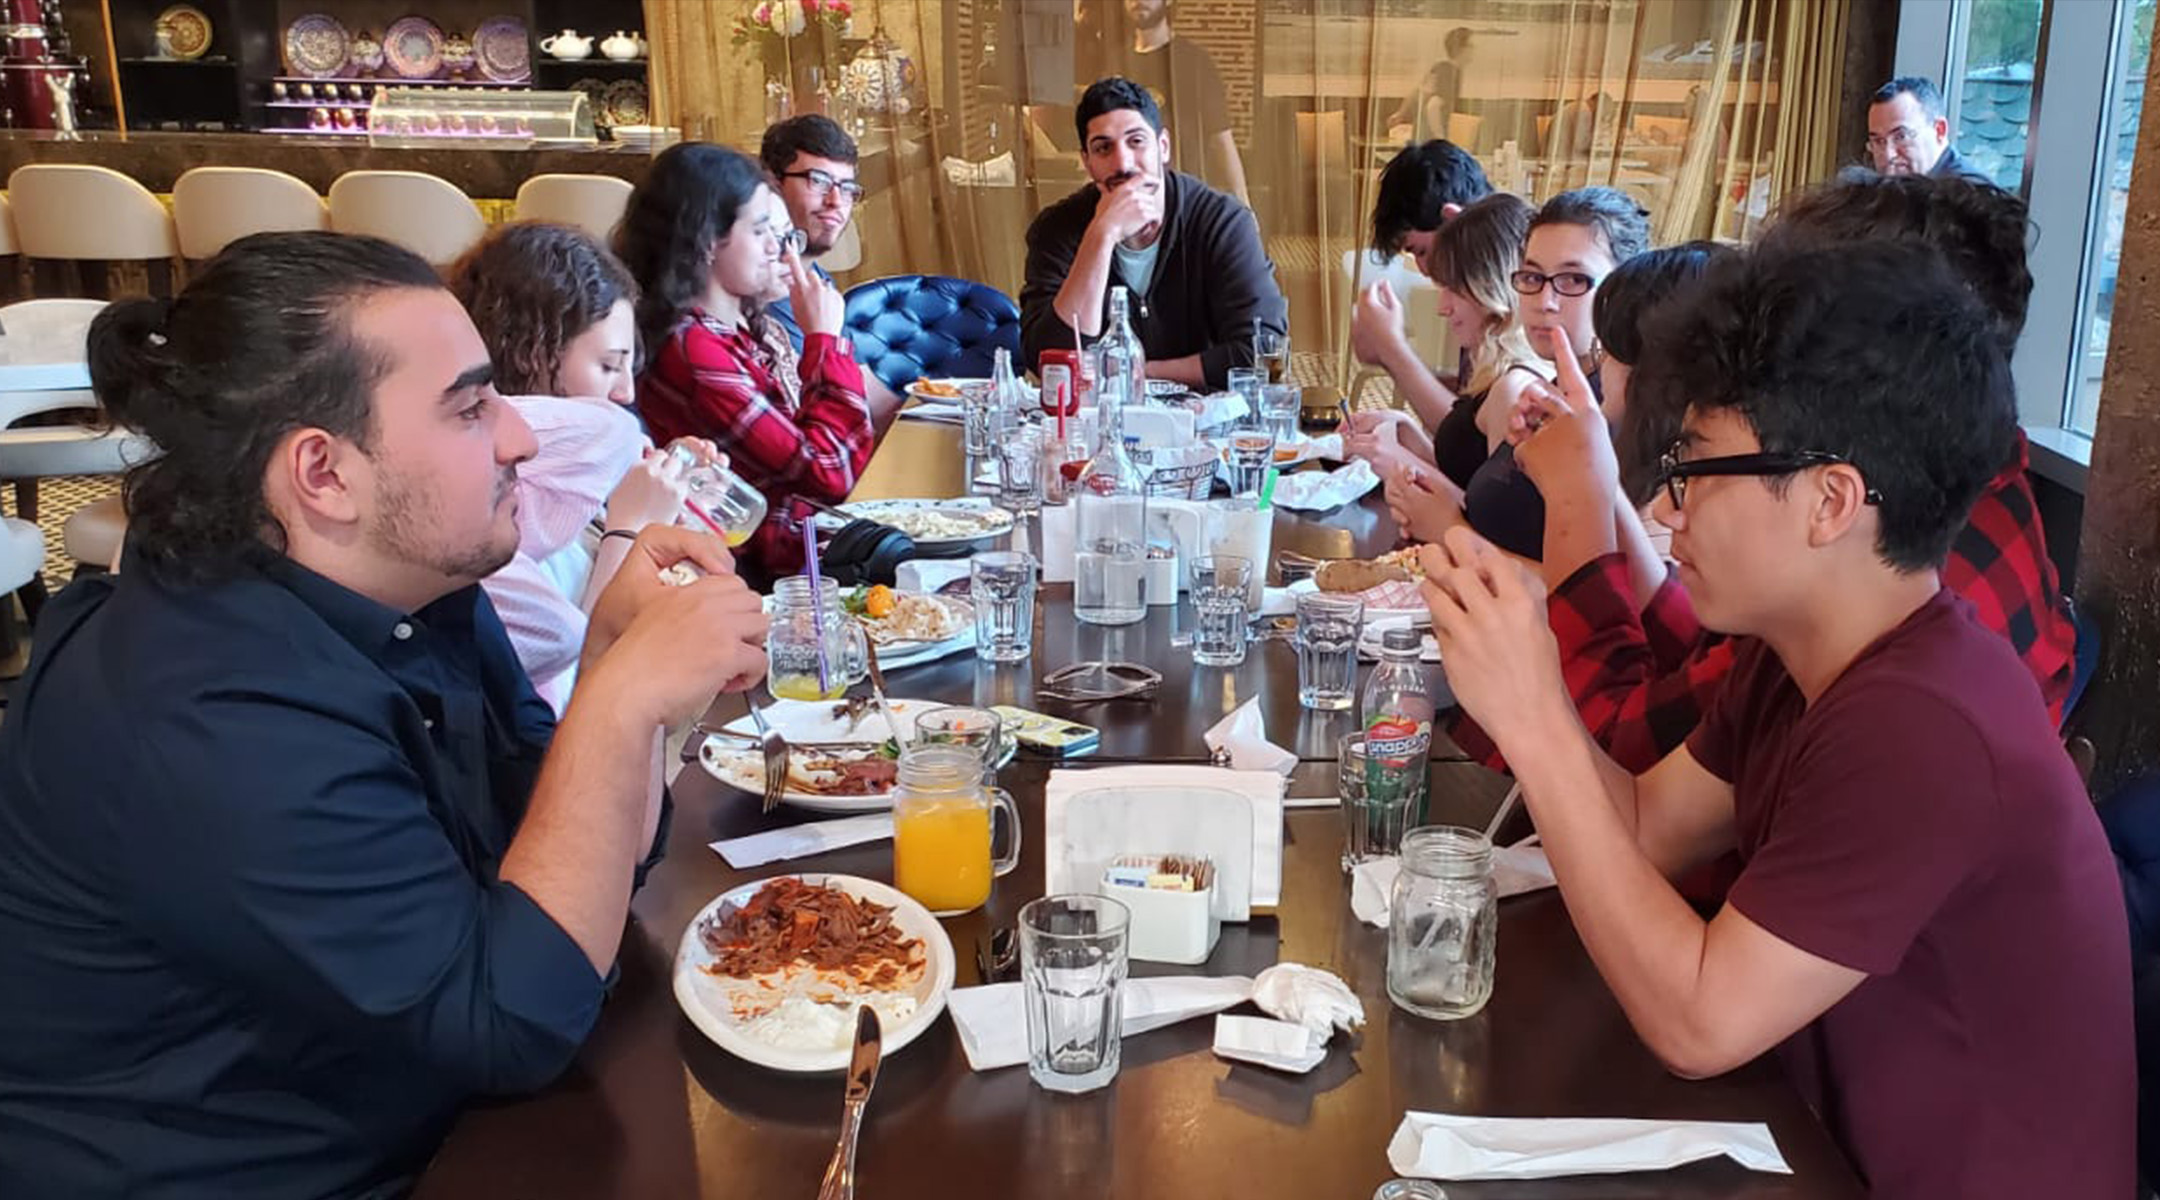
(715,382)
(1642,682)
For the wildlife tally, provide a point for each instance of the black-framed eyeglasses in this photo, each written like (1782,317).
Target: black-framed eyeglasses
(822,184)
(1674,472)
(1566,283)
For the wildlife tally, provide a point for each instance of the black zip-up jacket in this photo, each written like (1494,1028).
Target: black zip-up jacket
(1212,278)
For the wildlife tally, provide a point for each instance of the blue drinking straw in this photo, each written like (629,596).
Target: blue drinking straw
(817,600)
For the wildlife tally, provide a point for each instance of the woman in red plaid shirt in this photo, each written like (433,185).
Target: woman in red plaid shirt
(705,241)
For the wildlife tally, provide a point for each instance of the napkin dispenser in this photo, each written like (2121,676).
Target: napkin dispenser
(1168,925)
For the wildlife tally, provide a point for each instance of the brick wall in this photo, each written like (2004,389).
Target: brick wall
(1228,29)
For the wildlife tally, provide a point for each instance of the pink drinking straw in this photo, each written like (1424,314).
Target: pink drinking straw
(817,599)
(698,510)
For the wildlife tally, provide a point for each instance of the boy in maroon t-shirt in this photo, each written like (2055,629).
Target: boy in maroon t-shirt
(1927,922)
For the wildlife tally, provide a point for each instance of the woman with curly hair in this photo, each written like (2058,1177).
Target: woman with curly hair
(705,242)
(555,310)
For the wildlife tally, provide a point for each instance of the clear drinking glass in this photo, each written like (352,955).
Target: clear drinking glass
(1238,526)
(1252,451)
(977,730)
(734,504)
(813,651)
(1019,450)
(980,419)
(1072,971)
(1444,921)
(1247,382)
(1002,586)
(1273,352)
(1280,404)
(1327,633)
(1379,797)
(1218,596)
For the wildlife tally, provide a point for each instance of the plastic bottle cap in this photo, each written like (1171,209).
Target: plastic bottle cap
(1401,639)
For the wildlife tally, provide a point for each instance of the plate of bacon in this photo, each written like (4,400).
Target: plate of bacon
(773,971)
(840,756)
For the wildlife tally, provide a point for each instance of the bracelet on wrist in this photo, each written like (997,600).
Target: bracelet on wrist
(631,534)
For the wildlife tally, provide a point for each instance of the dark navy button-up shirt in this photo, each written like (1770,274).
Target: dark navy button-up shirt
(252,939)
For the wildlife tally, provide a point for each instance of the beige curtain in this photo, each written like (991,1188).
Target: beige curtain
(1705,110)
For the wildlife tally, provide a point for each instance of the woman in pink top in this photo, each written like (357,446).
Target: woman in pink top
(705,243)
(555,309)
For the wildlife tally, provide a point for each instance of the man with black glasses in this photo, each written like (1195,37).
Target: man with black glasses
(1927,923)
(1909,132)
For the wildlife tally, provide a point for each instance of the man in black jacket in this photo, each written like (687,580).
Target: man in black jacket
(1190,255)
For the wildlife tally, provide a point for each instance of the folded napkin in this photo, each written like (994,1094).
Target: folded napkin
(1244,734)
(929,574)
(1318,491)
(1073,859)
(1279,1045)
(1281,601)
(1217,409)
(799,841)
(1519,868)
(1445,1146)
(992,1018)
(1314,1000)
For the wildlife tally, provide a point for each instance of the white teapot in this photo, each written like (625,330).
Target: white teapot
(567,45)
(624,47)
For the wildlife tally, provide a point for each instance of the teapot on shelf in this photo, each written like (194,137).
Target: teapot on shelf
(567,45)
(624,47)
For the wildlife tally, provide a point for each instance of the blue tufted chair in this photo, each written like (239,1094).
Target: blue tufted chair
(908,326)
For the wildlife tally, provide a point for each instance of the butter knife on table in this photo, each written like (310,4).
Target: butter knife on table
(861,1077)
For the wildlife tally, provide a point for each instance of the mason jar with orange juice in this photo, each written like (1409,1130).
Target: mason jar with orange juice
(941,829)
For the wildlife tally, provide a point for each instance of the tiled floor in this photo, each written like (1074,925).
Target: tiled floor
(57,501)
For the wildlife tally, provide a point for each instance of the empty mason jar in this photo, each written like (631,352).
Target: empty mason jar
(1444,920)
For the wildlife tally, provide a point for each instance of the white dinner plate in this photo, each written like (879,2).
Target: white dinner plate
(996,522)
(958,382)
(704,996)
(739,765)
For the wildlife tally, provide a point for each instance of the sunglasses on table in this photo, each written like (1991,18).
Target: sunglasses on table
(1674,471)
(822,185)
(1566,283)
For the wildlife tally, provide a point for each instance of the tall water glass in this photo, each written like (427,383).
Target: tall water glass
(1379,798)
(1444,922)
(1072,974)
(1002,586)
(1252,451)
(1247,382)
(1280,405)
(1019,453)
(1272,351)
(1218,596)
(1327,634)
(981,415)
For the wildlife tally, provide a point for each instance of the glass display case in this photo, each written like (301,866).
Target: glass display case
(468,117)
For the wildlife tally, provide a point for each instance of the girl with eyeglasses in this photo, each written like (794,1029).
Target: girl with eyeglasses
(1574,242)
(707,242)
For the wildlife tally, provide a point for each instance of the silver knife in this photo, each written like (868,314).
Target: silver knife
(861,1077)
(877,691)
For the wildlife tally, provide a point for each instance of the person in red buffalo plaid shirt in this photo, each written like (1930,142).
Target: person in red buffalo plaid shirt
(1639,664)
(707,239)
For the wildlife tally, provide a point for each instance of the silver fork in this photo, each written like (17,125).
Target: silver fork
(775,749)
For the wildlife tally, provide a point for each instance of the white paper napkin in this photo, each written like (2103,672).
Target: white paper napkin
(799,841)
(1264,1042)
(1517,869)
(1280,601)
(1262,789)
(992,1018)
(1318,491)
(929,574)
(1244,734)
(1445,1146)
(1315,1000)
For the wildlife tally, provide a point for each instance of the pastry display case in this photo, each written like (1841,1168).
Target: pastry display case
(413,117)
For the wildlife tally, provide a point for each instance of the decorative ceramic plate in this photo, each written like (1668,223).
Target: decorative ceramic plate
(717,1005)
(502,46)
(186,30)
(316,46)
(595,99)
(624,102)
(413,47)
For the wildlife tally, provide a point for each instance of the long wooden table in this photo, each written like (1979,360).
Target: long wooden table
(653,1109)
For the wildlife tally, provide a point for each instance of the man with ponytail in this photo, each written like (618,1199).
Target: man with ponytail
(293,860)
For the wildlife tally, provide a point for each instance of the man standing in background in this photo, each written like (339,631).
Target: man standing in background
(1181,75)
(1908,132)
